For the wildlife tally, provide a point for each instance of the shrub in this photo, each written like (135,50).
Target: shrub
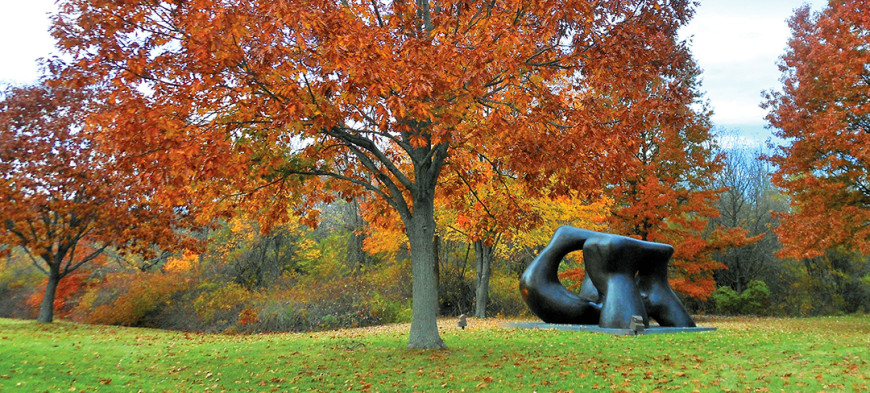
(219,304)
(278,316)
(456,293)
(750,301)
(504,296)
(388,310)
(248,316)
(14,303)
(19,281)
(129,299)
(349,301)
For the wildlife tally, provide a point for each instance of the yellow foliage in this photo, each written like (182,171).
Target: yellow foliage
(308,250)
(555,212)
(181,264)
(386,231)
(217,298)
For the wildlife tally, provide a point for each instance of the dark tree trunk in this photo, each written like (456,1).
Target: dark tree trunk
(356,256)
(46,309)
(420,228)
(484,262)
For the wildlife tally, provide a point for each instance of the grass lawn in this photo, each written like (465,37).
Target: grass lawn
(745,354)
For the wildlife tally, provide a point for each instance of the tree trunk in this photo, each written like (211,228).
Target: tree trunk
(356,256)
(420,228)
(484,262)
(436,247)
(46,309)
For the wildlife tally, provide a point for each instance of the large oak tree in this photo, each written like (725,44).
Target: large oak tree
(823,113)
(292,102)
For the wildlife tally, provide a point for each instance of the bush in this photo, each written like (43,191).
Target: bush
(388,310)
(19,281)
(504,296)
(750,301)
(14,303)
(219,304)
(348,301)
(455,293)
(278,316)
(129,299)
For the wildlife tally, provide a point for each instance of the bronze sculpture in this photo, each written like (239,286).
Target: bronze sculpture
(625,277)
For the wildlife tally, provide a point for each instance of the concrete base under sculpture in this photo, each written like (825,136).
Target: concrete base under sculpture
(653,329)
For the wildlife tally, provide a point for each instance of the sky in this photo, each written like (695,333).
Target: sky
(735,42)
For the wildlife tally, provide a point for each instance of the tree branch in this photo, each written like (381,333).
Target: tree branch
(85,260)
(474,193)
(377,13)
(369,145)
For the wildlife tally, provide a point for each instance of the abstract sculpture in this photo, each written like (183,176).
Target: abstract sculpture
(625,277)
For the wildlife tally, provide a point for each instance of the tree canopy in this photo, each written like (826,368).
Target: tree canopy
(289,103)
(62,199)
(823,112)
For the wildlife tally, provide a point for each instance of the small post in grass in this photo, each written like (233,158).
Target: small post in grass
(636,325)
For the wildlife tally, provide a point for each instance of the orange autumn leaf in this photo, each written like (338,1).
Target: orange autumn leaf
(667,193)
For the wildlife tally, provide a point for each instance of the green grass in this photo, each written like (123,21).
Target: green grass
(745,354)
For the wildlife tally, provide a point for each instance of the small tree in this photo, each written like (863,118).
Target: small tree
(483,216)
(62,200)
(747,203)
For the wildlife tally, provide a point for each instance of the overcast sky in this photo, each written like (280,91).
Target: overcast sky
(736,43)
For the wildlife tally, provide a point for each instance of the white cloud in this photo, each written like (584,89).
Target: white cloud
(738,43)
(724,39)
(24,38)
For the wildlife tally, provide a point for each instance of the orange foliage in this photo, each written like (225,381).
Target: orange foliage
(255,96)
(666,194)
(135,295)
(64,198)
(292,103)
(574,277)
(248,317)
(67,289)
(823,111)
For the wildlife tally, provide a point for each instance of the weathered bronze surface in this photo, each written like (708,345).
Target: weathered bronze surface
(624,277)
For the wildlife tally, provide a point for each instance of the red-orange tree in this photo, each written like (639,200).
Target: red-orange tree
(667,194)
(62,200)
(305,100)
(484,211)
(823,111)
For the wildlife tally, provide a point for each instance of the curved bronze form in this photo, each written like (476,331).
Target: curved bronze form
(624,277)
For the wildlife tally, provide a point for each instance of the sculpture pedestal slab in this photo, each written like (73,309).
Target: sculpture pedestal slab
(653,329)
